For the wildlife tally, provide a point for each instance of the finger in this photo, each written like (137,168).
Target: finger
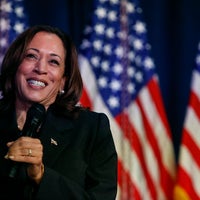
(7,156)
(30,158)
(9,143)
(18,153)
(21,147)
(23,139)
(30,152)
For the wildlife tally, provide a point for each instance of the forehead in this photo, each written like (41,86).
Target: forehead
(48,42)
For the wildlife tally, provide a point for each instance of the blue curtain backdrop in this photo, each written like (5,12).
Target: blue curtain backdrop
(173,32)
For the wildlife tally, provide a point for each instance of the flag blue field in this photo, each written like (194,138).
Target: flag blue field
(13,20)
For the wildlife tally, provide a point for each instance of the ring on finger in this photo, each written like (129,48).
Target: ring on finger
(29,152)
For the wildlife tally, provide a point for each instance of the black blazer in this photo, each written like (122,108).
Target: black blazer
(79,157)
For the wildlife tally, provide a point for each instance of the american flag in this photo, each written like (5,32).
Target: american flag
(120,80)
(13,20)
(188,175)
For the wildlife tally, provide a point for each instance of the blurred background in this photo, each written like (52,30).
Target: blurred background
(173,31)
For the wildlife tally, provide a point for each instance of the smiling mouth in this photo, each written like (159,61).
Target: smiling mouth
(36,83)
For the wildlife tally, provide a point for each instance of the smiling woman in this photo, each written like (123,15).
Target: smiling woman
(40,76)
(70,154)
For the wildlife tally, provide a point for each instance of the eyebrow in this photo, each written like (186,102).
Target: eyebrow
(52,54)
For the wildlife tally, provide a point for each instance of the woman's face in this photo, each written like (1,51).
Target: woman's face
(39,77)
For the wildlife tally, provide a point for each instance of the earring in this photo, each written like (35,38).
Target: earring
(62,92)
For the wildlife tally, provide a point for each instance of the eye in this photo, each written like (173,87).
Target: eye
(54,62)
(31,56)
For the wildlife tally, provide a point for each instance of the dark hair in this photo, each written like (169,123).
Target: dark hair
(14,56)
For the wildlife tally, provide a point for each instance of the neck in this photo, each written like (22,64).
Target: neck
(21,110)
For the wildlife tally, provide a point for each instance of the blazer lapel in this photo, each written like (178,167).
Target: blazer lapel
(55,136)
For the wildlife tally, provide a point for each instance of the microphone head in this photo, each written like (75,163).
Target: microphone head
(37,110)
(35,116)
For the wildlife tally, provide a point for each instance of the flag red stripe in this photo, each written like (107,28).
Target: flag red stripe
(85,100)
(195,103)
(192,146)
(155,92)
(136,145)
(127,187)
(164,174)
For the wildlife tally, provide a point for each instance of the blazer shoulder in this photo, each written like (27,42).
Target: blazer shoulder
(93,116)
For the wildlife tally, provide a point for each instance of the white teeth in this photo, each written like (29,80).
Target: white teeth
(36,83)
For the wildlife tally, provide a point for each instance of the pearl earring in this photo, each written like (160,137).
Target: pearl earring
(62,91)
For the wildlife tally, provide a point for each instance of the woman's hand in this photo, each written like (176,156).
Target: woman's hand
(28,150)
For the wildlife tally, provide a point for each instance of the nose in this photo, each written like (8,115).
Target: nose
(41,66)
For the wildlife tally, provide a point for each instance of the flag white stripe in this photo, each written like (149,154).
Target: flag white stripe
(88,78)
(159,131)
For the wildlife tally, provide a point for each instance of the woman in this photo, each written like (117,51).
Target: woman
(72,154)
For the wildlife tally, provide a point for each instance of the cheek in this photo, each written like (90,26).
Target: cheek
(24,68)
(59,82)
(57,75)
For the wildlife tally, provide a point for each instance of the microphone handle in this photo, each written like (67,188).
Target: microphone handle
(14,170)
(16,165)
(30,133)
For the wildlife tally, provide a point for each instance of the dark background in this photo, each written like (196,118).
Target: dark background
(173,32)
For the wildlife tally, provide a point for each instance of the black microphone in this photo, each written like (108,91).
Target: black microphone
(34,118)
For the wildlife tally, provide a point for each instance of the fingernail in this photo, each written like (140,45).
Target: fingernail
(8,157)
